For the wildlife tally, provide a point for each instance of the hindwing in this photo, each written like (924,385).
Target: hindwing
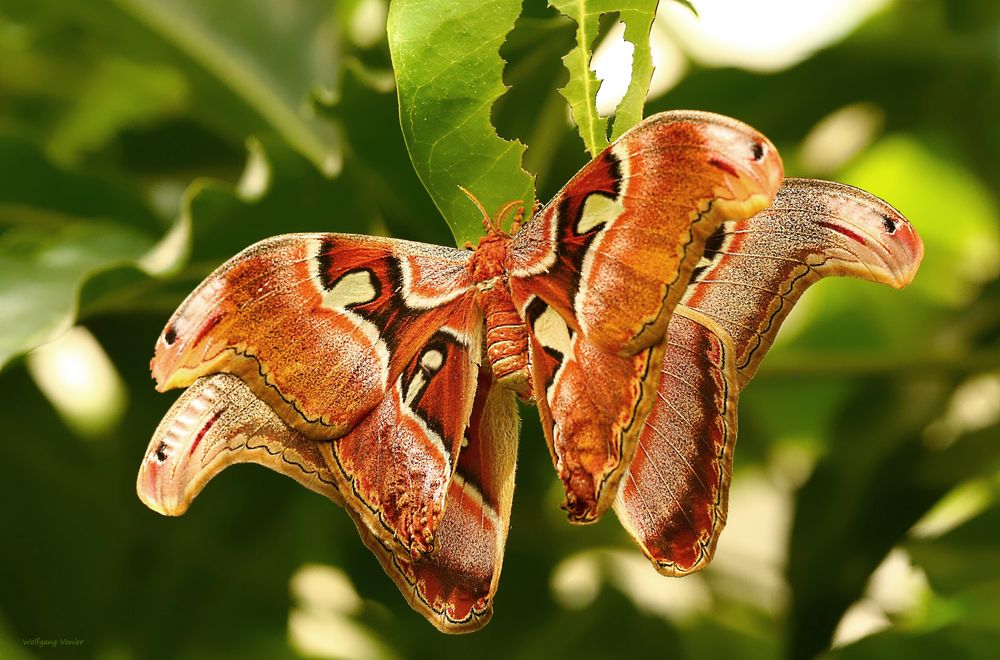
(394,467)
(755,270)
(674,494)
(453,587)
(215,423)
(673,499)
(219,422)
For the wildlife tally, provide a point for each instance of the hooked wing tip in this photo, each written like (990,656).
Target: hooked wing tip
(153,485)
(876,241)
(911,253)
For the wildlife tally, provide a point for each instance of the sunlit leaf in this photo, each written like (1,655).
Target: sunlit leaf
(231,80)
(41,272)
(581,90)
(638,19)
(448,75)
(533,109)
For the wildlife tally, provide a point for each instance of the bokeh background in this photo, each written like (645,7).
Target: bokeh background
(144,141)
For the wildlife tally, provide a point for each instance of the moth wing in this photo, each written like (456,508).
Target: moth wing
(453,587)
(674,494)
(597,272)
(754,270)
(320,326)
(394,467)
(674,497)
(591,405)
(614,249)
(219,422)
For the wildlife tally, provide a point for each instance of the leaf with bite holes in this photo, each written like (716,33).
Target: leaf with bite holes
(581,90)
(448,75)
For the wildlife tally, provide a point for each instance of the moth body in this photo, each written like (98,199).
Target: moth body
(506,339)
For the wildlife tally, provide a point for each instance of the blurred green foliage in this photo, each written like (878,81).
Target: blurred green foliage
(144,141)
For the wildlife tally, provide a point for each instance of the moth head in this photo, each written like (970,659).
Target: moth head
(493,224)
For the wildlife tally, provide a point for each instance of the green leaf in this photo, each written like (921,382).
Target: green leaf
(581,90)
(279,193)
(248,67)
(118,93)
(856,505)
(448,76)
(54,243)
(379,158)
(41,272)
(879,478)
(963,557)
(638,20)
(533,109)
(29,182)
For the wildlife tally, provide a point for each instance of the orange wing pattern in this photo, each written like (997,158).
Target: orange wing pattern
(454,586)
(597,273)
(394,467)
(614,249)
(675,494)
(591,404)
(319,325)
(372,341)
(219,422)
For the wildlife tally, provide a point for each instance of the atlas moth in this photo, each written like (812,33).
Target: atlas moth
(631,309)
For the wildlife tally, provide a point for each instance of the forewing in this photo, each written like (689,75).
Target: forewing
(218,422)
(614,249)
(320,326)
(394,467)
(591,404)
(673,496)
